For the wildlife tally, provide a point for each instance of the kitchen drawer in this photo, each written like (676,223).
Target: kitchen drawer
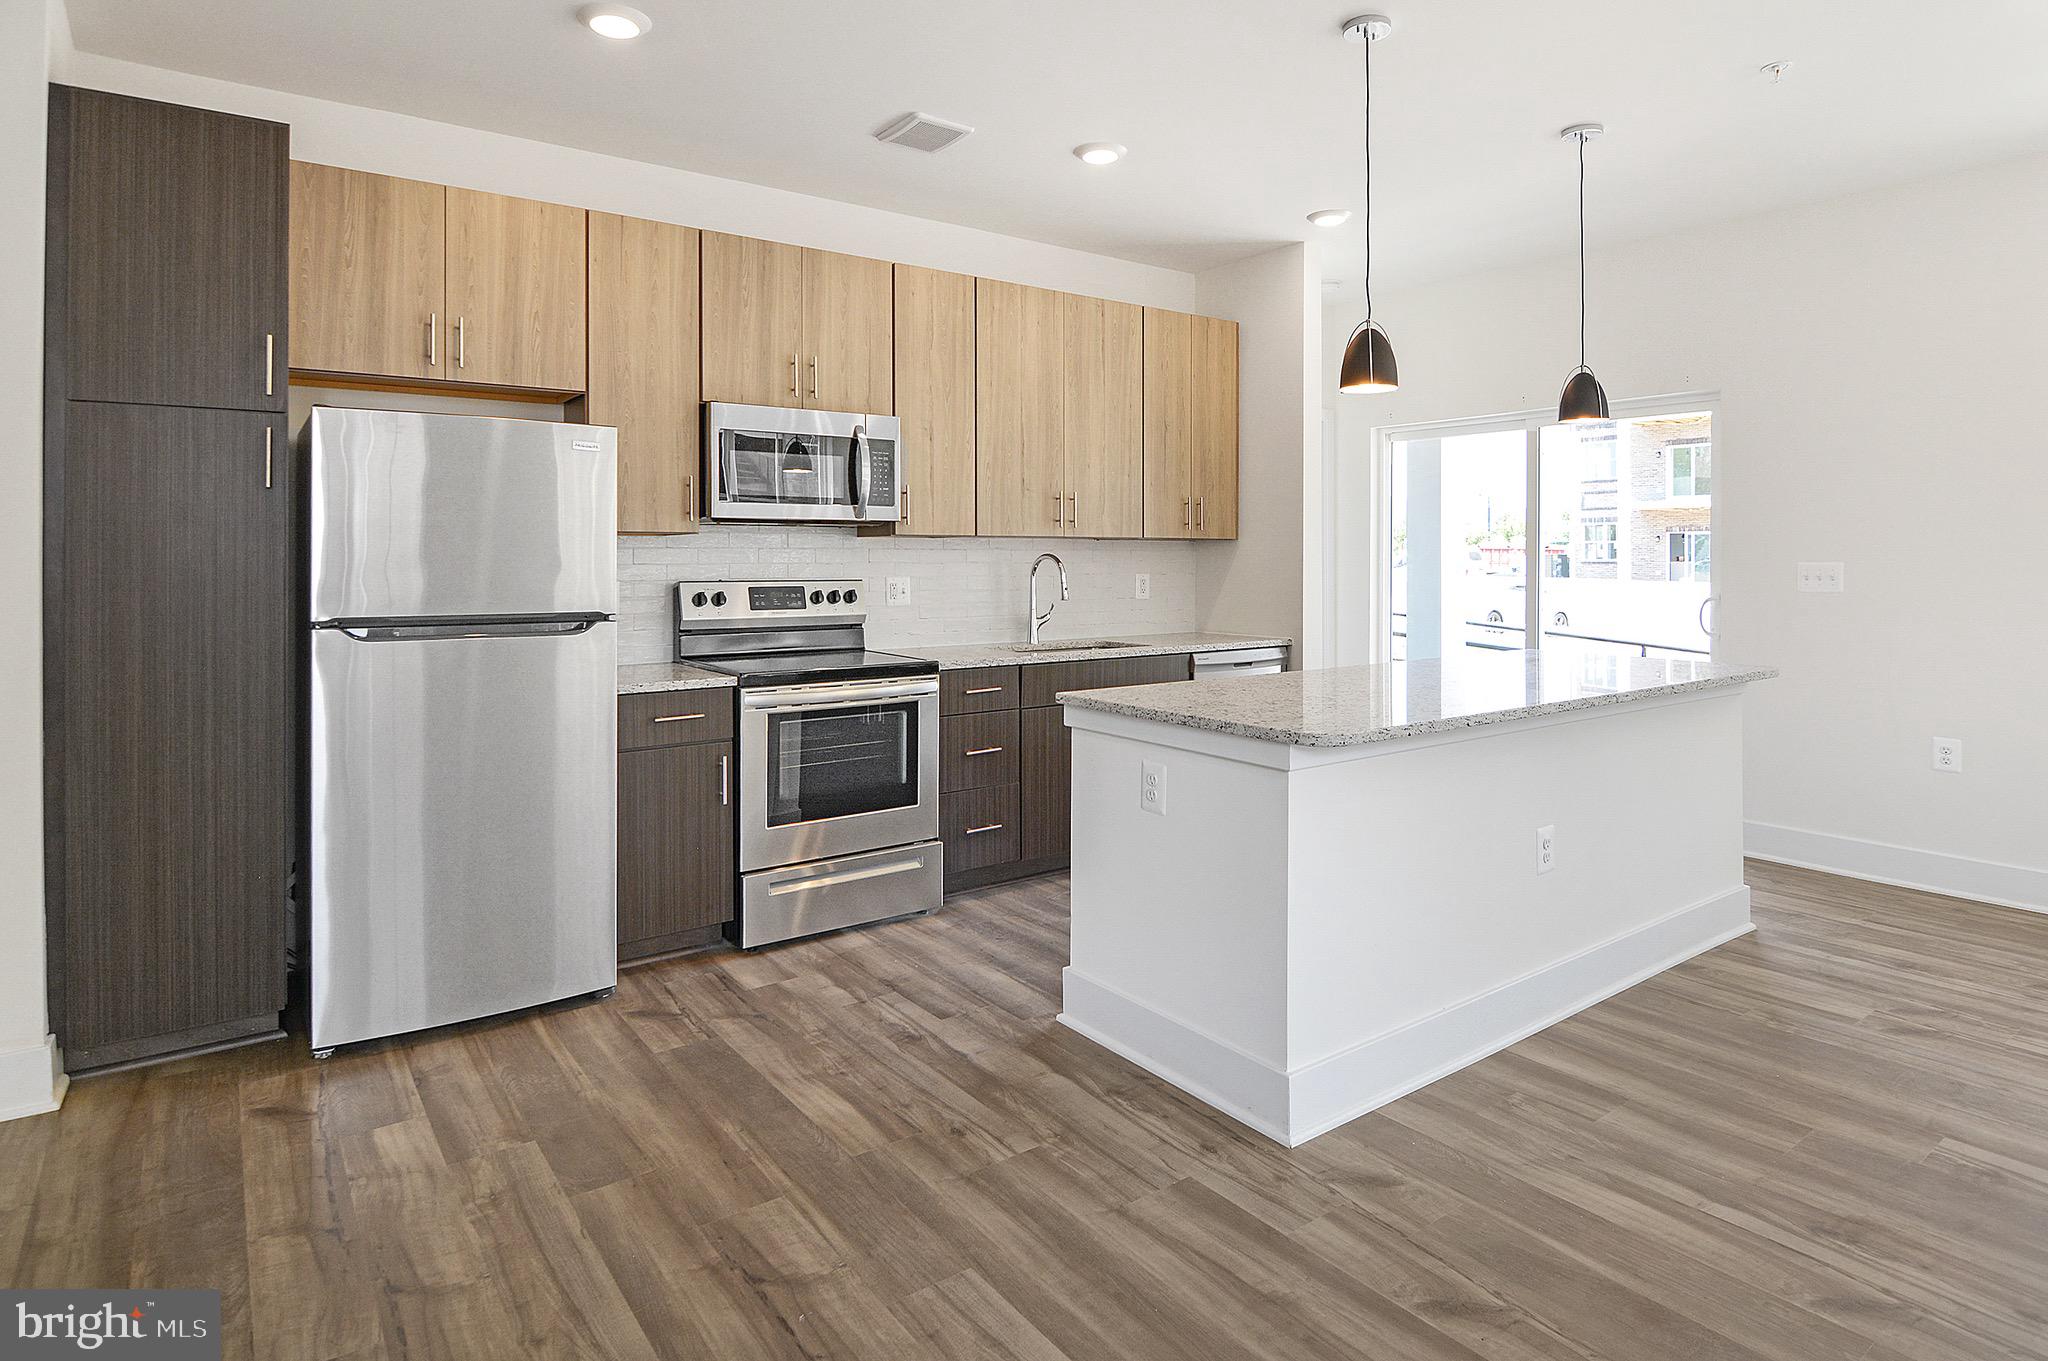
(672,718)
(977,689)
(977,750)
(979,827)
(1042,682)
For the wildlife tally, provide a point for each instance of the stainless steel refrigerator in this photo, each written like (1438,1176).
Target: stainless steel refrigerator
(463,718)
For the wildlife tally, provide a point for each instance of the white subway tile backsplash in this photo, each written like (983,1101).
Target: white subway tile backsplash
(962,590)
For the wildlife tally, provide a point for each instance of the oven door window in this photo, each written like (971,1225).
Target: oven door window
(836,763)
(785,470)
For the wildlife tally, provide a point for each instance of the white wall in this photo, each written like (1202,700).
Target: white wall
(1263,582)
(28,1078)
(1879,360)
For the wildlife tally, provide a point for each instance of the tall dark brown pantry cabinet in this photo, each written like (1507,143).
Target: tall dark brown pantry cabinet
(168,551)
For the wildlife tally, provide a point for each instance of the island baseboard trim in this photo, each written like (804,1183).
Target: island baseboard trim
(1292,1107)
(1880,862)
(32,1080)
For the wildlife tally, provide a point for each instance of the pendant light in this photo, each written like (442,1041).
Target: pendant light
(1368,354)
(1583,399)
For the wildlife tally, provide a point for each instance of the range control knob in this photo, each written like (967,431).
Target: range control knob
(832,597)
(700,600)
(718,597)
(852,596)
(817,597)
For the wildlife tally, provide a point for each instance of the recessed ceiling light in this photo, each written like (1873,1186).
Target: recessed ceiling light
(1330,217)
(1100,153)
(618,22)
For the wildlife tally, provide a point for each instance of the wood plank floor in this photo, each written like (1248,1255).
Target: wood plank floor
(1823,1142)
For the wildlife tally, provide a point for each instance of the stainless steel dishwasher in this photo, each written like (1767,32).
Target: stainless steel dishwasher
(1240,661)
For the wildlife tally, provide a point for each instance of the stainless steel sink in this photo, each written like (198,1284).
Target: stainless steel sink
(1068,645)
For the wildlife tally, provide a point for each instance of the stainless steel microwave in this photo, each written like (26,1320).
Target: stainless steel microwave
(785,464)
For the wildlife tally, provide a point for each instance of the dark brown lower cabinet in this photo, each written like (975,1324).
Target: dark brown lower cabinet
(979,828)
(169,700)
(1047,760)
(676,846)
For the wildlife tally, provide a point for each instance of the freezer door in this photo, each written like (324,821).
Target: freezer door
(459,516)
(463,825)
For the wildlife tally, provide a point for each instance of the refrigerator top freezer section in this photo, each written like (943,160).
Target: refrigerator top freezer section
(453,517)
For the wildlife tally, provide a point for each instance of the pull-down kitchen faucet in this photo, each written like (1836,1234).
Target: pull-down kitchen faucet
(1037,619)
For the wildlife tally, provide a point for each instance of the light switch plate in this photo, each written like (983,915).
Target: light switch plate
(1825,577)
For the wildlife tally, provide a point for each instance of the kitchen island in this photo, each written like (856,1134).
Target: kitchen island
(1298,897)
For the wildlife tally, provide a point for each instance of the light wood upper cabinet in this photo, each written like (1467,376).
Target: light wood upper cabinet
(935,382)
(753,320)
(643,366)
(785,326)
(1103,417)
(399,279)
(1169,424)
(1020,433)
(1214,461)
(848,346)
(516,278)
(368,273)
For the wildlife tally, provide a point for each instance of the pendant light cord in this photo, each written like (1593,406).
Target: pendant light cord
(1368,177)
(1582,249)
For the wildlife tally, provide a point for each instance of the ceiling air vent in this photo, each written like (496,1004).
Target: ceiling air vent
(922,132)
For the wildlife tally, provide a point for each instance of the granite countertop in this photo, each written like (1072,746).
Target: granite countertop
(646,678)
(953,657)
(1354,705)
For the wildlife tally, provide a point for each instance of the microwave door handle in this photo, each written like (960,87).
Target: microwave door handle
(857,459)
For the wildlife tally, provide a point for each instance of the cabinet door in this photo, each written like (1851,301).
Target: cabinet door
(849,350)
(935,399)
(1169,424)
(369,273)
(1019,435)
(173,631)
(171,225)
(753,320)
(1215,428)
(643,366)
(1046,752)
(676,835)
(1103,410)
(517,271)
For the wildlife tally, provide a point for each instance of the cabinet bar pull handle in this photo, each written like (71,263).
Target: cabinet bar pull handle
(724,789)
(269,364)
(1201,512)
(433,340)
(267,432)
(690,498)
(814,375)
(992,827)
(982,751)
(1073,511)
(677,718)
(792,375)
(461,342)
(1186,514)
(906,506)
(984,690)
(1059,509)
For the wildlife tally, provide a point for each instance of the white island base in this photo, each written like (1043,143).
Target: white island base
(1303,932)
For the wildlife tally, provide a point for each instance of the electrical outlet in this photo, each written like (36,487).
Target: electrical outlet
(899,590)
(1143,590)
(1948,753)
(1546,849)
(1821,576)
(1152,787)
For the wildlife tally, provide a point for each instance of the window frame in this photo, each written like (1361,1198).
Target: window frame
(1694,447)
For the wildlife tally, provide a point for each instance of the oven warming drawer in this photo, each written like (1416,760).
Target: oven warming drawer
(847,890)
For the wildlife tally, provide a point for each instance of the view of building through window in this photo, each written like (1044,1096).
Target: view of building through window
(1624,538)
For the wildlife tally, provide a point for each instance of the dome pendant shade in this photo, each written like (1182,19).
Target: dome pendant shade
(1369,363)
(1583,398)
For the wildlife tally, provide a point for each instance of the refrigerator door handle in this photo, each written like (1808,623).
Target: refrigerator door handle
(475,628)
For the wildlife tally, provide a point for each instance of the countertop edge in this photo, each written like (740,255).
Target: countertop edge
(969,657)
(1096,701)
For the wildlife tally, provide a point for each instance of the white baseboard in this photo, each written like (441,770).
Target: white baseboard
(32,1080)
(1292,1107)
(1984,881)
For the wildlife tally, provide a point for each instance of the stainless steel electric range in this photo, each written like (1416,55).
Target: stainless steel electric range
(838,755)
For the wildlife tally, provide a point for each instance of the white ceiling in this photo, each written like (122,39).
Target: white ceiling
(1240,115)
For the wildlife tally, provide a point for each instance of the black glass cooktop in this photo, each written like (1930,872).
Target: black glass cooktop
(804,668)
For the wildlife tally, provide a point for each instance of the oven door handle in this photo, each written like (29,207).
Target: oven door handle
(819,696)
